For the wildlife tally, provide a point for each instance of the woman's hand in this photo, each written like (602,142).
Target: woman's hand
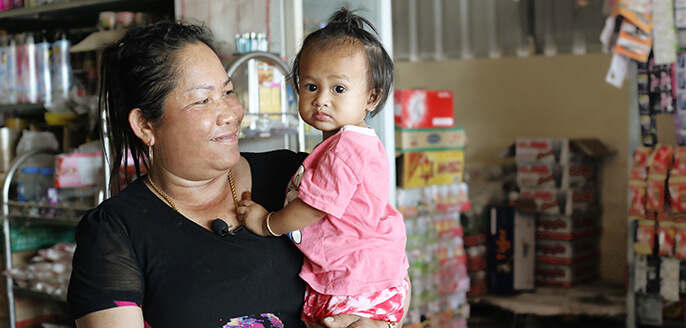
(252,215)
(349,321)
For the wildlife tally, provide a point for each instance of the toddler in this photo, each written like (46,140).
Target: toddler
(338,211)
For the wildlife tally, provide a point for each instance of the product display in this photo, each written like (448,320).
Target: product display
(558,184)
(431,197)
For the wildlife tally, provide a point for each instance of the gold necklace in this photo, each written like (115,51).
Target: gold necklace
(164,195)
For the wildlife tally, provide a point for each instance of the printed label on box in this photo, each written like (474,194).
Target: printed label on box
(419,169)
(424,109)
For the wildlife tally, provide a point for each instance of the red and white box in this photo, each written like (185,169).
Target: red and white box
(566,251)
(558,150)
(553,175)
(557,226)
(415,109)
(78,169)
(566,275)
(561,201)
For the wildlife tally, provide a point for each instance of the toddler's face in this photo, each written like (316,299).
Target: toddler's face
(333,88)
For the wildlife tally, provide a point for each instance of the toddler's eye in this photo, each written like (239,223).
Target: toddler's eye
(310,87)
(339,89)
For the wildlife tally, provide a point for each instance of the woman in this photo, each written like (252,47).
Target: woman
(148,254)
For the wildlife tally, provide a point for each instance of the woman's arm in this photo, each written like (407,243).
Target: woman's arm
(118,317)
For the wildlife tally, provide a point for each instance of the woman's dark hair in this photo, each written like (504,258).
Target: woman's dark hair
(344,26)
(138,71)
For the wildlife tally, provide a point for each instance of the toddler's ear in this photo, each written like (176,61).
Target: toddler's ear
(373,100)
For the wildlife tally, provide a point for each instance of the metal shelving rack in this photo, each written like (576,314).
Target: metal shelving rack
(250,60)
(75,16)
(73,13)
(7,220)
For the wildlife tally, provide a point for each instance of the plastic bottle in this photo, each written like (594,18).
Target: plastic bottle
(12,72)
(4,49)
(45,181)
(29,70)
(44,74)
(27,184)
(61,66)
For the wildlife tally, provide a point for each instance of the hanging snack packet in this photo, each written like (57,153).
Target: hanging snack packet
(639,169)
(637,188)
(645,237)
(679,165)
(677,193)
(680,241)
(665,237)
(660,160)
(655,192)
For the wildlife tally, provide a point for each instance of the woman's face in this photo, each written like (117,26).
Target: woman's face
(197,136)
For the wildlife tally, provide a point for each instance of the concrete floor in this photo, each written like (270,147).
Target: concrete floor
(487,316)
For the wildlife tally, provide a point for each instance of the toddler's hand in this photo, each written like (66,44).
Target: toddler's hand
(252,215)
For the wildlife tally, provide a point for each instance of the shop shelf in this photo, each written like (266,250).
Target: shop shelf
(30,293)
(73,13)
(22,109)
(28,213)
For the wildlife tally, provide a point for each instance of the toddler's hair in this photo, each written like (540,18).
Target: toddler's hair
(346,27)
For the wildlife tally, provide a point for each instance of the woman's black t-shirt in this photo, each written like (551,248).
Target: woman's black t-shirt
(134,248)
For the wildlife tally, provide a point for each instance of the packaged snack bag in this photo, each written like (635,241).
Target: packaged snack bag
(645,237)
(679,166)
(637,188)
(639,169)
(660,160)
(677,193)
(655,192)
(680,241)
(665,237)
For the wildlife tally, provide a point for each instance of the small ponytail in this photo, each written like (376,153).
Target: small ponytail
(346,27)
(350,21)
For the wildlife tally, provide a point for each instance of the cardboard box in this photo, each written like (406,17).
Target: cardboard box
(561,201)
(560,150)
(567,227)
(566,251)
(511,250)
(420,169)
(554,175)
(424,109)
(566,275)
(78,169)
(407,140)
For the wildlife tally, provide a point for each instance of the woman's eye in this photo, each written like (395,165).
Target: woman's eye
(228,92)
(310,87)
(339,89)
(204,101)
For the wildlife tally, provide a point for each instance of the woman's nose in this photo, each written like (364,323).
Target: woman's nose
(230,112)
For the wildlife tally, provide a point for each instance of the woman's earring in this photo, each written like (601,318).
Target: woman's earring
(150,155)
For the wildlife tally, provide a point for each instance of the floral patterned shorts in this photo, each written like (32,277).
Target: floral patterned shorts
(385,304)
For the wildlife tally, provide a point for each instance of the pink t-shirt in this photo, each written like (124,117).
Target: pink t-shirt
(359,246)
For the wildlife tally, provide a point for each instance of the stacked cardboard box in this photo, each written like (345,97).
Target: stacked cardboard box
(431,196)
(558,183)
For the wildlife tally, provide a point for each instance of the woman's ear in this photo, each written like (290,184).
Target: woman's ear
(141,127)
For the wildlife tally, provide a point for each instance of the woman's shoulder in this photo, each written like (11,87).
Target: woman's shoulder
(120,206)
(285,155)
